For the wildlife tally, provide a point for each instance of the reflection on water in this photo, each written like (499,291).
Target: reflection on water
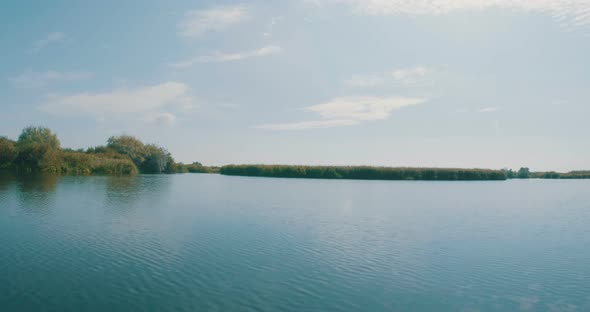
(37,183)
(127,193)
(215,243)
(6,180)
(36,192)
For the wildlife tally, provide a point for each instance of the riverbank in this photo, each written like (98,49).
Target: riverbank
(38,150)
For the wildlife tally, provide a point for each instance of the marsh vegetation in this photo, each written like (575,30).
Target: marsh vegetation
(363,172)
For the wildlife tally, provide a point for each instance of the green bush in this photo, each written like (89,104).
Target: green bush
(85,164)
(38,150)
(576,175)
(197,167)
(8,152)
(148,158)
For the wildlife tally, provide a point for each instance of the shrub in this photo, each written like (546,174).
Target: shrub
(38,149)
(8,152)
(85,164)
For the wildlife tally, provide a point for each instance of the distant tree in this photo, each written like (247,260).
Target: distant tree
(129,146)
(551,175)
(524,173)
(38,149)
(510,174)
(148,158)
(8,152)
(157,160)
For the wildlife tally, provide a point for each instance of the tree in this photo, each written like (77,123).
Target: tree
(8,152)
(510,174)
(148,158)
(551,175)
(129,146)
(38,149)
(524,173)
(157,160)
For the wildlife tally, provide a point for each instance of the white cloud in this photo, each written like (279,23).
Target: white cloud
(348,111)
(361,108)
(149,100)
(572,12)
(198,22)
(304,125)
(32,79)
(229,57)
(410,75)
(487,110)
(402,76)
(51,38)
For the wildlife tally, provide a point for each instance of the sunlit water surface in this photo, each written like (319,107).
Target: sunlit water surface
(216,243)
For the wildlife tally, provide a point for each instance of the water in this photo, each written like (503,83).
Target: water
(215,243)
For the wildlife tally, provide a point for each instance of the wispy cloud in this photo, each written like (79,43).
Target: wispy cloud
(32,79)
(404,76)
(361,108)
(306,125)
(487,110)
(348,111)
(199,22)
(150,102)
(410,75)
(568,12)
(229,57)
(51,38)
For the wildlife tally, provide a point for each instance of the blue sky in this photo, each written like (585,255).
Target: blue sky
(464,83)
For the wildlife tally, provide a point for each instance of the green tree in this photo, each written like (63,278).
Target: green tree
(148,158)
(157,160)
(8,152)
(524,173)
(129,146)
(510,174)
(38,149)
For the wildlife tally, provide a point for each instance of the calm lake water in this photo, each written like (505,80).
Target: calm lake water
(214,243)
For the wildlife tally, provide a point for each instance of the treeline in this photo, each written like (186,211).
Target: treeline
(558,175)
(37,149)
(197,167)
(363,173)
(525,173)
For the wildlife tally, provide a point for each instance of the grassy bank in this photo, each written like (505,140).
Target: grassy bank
(199,168)
(558,175)
(102,164)
(363,173)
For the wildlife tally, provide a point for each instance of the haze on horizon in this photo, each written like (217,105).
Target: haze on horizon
(441,83)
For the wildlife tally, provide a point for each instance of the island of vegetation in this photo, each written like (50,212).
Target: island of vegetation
(363,173)
(38,149)
(525,173)
(393,173)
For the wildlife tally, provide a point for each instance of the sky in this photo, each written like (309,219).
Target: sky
(432,83)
